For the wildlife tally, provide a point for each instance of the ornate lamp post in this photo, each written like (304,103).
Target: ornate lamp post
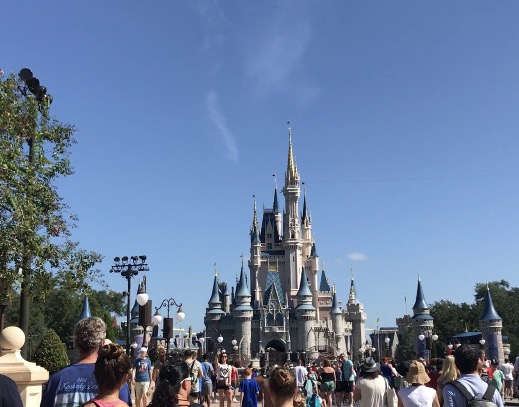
(220,340)
(386,341)
(234,344)
(168,322)
(129,269)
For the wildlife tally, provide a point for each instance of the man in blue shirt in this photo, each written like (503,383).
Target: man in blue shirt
(467,361)
(348,376)
(207,383)
(75,385)
(141,378)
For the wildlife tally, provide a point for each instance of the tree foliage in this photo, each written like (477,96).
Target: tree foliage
(51,352)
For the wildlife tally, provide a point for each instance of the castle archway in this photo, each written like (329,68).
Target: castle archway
(276,353)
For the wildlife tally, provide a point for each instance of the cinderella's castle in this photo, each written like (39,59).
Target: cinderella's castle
(281,306)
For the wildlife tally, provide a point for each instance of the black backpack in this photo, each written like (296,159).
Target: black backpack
(474,401)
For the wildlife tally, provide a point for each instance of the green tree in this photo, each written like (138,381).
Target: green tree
(405,348)
(35,222)
(51,352)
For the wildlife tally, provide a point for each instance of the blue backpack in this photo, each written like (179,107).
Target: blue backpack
(313,401)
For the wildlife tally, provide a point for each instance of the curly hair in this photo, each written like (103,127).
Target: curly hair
(111,367)
(89,333)
(171,376)
(282,383)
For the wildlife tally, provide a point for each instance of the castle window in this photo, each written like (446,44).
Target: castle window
(269,245)
(269,235)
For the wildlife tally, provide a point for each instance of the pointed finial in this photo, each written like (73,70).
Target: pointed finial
(215,270)
(323,263)
(291,165)
(241,260)
(255,218)
(351,271)
(275,181)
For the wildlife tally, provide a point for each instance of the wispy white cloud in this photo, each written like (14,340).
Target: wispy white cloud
(279,49)
(357,256)
(226,137)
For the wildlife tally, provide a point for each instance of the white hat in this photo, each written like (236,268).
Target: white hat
(144,350)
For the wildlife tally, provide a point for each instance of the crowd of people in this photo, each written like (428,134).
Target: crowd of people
(104,375)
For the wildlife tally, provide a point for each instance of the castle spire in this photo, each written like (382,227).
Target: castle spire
(275,206)
(305,212)
(242,290)
(214,301)
(335,305)
(353,291)
(489,313)
(292,172)
(420,304)
(255,216)
(85,311)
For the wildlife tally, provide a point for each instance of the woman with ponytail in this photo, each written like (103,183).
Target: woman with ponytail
(111,373)
(174,386)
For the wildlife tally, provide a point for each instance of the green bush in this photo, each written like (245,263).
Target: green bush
(51,352)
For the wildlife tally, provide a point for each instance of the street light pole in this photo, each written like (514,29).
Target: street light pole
(129,269)
(167,328)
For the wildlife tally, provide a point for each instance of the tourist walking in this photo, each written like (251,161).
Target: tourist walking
(111,373)
(207,381)
(141,378)
(249,390)
(89,336)
(282,386)
(339,383)
(328,382)
(174,386)
(223,379)
(449,374)
(370,388)
(499,377)
(300,374)
(467,361)
(417,395)
(195,371)
(348,377)
(508,370)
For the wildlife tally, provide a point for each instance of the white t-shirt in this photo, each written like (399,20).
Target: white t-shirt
(508,370)
(417,396)
(300,373)
(223,372)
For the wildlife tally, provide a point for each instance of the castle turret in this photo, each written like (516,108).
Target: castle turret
(422,323)
(357,317)
(337,325)
(491,326)
(243,316)
(306,228)
(305,313)
(214,311)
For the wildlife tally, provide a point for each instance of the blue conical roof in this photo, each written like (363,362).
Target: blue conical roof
(313,252)
(420,303)
(335,305)
(85,311)
(324,286)
(489,313)
(305,212)
(275,205)
(304,289)
(214,301)
(255,235)
(242,290)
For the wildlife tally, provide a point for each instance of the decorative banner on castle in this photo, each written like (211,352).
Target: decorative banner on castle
(493,347)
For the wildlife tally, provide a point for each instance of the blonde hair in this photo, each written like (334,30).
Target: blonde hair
(449,370)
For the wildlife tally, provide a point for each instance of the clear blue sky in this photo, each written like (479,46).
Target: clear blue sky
(404,117)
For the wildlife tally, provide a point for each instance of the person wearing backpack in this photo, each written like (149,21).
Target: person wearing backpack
(469,389)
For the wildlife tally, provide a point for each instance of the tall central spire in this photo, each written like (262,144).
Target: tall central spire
(291,164)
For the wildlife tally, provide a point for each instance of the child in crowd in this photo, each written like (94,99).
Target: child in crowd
(111,372)
(249,389)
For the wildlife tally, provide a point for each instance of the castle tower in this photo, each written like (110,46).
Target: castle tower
(255,257)
(242,314)
(306,228)
(337,325)
(292,242)
(491,325)
(305,314)
(422,323)
(357,317)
